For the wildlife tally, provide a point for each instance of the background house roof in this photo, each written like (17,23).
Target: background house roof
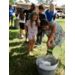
(22,3)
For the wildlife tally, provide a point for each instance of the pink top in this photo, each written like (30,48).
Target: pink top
(33,30)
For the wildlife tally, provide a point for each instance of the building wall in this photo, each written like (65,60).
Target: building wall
(37,10)
(58,9)
(28,6)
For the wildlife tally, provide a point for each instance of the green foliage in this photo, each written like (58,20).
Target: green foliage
(12,1)
(63,5)
(26,1)
(46,2)
(20,1)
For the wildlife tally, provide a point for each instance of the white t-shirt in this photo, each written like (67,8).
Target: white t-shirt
(21,21)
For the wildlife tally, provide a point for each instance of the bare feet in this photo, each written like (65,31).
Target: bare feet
(34,50)
(30,54)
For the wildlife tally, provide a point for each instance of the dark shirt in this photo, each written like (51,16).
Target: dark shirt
(41,16)
(28,12)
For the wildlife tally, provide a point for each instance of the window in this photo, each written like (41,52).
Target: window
(25,7)
(18,10)
(59,11)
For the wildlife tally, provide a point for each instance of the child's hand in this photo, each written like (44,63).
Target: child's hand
(38,22)
(25,14)
(38,17)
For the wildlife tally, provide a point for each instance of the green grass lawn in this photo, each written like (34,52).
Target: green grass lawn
(22,64)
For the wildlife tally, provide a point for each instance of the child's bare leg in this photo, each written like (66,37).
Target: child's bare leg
(22,31)
(29,47)
(33,42)
(11,21)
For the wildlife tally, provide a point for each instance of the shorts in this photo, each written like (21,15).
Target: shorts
(31,37)
(21,25)
(10,17)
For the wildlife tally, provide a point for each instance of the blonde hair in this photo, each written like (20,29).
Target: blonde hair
(50,6)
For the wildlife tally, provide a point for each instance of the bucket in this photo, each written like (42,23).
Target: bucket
(15,24)
(55,51)
(46,68)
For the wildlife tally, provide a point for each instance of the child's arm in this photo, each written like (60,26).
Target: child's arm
(56,15)
(38,22)
(25,27)
(46,13)
(18,20)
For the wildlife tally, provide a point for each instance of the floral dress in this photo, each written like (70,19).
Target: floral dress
(32,31)
(58,38)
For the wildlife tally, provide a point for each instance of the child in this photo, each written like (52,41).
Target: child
(32,31)
(11,11)
(54,33)
(41,16)
(51,13)
(21,19)
(28,12)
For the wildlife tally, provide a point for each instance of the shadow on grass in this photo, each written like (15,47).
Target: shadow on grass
(61,65)
(18,43)
(13,28)
(13,35)
(20,63)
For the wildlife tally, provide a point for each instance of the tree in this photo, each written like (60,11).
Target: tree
(12,1)
(46,2)
(26,1)
(63,5)
(20,1)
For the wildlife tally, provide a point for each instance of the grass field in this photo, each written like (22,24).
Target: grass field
(22,64)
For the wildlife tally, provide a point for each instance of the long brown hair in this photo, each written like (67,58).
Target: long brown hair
(31,16)
(21,14)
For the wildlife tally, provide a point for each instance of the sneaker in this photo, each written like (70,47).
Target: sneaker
(26,41)
(39,45)
(42,37)
(36,43)
(11,25)
(22,36)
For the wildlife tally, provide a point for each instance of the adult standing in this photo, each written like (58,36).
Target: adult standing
(51,13)
(11,11)
(28,12)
